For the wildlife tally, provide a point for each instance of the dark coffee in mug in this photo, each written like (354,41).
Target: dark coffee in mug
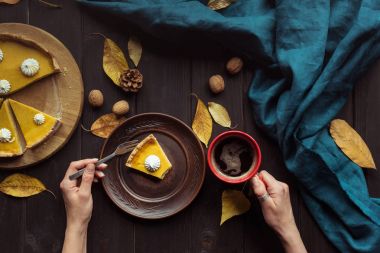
(234,156)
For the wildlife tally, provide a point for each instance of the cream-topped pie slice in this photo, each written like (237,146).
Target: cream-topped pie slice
(23,62)
(35,125)
(11,142)
(149,157)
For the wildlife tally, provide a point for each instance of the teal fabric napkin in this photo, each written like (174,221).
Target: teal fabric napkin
(309,54)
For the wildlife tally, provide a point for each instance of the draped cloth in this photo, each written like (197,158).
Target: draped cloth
(308,55)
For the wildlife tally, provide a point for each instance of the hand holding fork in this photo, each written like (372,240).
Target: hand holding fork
(120,150)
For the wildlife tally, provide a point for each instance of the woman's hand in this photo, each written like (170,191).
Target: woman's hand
(277,210)
(78,198)
(78,203)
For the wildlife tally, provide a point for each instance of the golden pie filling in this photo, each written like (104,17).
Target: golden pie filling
(22,62)
(11,142)
(18,65)
(149,157)
(35,125)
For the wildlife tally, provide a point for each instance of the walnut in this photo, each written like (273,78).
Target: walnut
(216,83)
(95,98)
(120,108)
(234,65)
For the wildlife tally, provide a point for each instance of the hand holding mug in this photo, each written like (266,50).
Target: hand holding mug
(275,204)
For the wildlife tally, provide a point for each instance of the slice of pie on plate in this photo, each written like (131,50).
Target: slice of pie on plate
(16,50)
(11,142)
(35,125)
(149,157)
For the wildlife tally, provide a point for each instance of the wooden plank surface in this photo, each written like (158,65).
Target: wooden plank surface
(171,73)
(12,210)
(110,229)
(44,231)
(158,66)
(365,118)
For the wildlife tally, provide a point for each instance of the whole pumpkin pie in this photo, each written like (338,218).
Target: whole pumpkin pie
(149,157)
(35,125)
(11,142)
(22,63)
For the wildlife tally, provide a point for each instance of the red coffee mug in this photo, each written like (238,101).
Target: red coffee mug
(246,175)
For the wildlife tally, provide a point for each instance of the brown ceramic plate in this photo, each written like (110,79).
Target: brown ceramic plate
(142,195)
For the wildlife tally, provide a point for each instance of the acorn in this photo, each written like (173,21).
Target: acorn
(216,84)
(120,108)
(95,98)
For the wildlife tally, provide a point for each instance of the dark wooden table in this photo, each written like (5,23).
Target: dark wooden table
(171,73)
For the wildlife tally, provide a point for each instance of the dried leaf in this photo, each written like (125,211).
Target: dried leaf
(219,4)
(233,203)
(20,185)
(134,50)
(114,62)
(352,145)
(202,122)
(9,1)
(220,114)
(104,125)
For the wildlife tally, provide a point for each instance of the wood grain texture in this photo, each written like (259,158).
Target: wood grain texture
(45,217)
(12,210)
(211,237)
(61,93)
(365,121)
(257,234)
(162,65)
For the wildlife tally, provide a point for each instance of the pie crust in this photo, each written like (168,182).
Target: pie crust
(149,146)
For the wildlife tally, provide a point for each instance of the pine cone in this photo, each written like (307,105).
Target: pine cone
(131,80)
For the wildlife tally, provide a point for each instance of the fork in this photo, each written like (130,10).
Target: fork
(122,149)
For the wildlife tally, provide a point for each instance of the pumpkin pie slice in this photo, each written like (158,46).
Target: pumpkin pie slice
(149,157)
(11,142)
(35,125)
(23,62)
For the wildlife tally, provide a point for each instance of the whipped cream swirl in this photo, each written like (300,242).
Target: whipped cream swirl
(5,135)
(5,87)
(39,119)
(152,163)
(30,67)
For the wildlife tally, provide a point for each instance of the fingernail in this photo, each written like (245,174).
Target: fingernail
(101,174)
(255,179)
(90,169)
(104,165)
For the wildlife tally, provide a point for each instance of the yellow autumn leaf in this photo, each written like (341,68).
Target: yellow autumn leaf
(20,185)
(219,4)
(104,125)
(220,114)
(9,1)
(352,145)
(134,50)
(233,203)
(114,62)
(202,122)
